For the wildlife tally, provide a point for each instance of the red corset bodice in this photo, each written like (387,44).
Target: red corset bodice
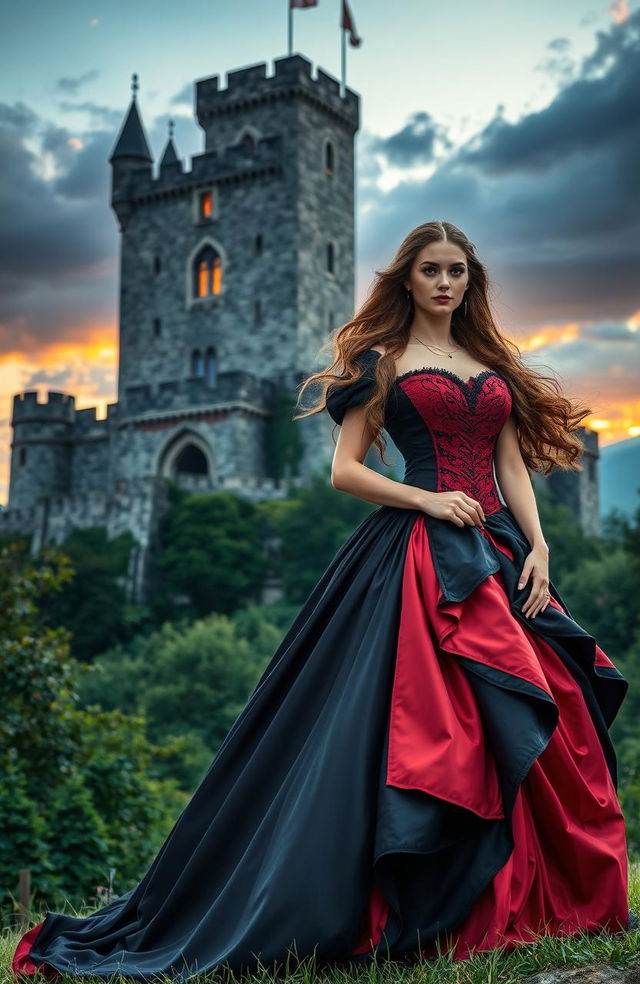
(464,418)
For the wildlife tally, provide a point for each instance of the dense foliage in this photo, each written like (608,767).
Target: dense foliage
(79,794)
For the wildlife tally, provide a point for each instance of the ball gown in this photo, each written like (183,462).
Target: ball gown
(420,766)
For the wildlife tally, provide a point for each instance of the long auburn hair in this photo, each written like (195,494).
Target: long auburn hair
(544,418)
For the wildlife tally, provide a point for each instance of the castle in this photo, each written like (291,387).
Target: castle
(232,275)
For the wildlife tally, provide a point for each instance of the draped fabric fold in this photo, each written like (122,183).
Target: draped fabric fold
(497,806)
(408,766)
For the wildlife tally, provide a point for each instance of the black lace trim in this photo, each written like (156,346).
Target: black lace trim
(452,375)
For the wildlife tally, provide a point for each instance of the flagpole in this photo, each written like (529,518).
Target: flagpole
(344,61)
(290,27)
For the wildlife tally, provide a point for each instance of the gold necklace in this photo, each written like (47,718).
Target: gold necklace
(434,350)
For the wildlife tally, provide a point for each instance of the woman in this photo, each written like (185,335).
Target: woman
(425,762)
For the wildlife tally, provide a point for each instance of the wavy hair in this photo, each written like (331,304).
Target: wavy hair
(544,418)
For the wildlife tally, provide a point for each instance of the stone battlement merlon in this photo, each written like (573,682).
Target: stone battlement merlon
(208,168)
(248,86)
(87,422)
(57,407)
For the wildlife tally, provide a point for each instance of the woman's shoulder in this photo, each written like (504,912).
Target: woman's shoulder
(369,358)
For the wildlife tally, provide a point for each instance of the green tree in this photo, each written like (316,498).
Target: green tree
(189,683)
(284,446)
(601,597)
(211,555)
(37,674)
(58,762)
(24,842)
(94,605)
(311,527)
(80,854)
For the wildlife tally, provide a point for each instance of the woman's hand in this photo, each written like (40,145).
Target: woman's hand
(458,507)
(536,567)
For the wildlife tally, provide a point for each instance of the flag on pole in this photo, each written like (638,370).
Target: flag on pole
(348,25)
(293,4)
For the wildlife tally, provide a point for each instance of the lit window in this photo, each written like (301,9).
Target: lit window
(206,204)
(208,272)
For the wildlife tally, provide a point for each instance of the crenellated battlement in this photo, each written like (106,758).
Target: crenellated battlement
(247,86)
(57,407)
(88,426)
(233,163)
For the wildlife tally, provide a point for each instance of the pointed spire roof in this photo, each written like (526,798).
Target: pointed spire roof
(132,141)
(170,155)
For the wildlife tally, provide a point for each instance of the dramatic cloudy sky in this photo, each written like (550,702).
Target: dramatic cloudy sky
(519,122)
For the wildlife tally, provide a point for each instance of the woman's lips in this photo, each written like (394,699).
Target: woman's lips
(443,299)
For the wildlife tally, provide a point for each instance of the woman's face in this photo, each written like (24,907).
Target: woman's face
(439,268)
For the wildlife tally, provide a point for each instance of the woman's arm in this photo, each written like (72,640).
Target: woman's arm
(515,483)
(349,474)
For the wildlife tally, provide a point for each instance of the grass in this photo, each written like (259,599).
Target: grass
(620,950)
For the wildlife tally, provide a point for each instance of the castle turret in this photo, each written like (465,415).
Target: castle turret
(41,448)
(169,155)
(131,153)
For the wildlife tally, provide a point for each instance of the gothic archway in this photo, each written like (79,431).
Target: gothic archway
(188,461)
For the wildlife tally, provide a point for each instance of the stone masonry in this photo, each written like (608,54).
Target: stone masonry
(232,274)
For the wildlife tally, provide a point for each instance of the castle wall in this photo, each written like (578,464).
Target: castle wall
(90,453)
(235,441)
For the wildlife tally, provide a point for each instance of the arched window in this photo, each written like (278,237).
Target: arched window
(197,363)
(157,265)
(210,363)
(258,244)
(257,312)
(157,327)
(330,258)
(191,461)
(248,144)
(328,157)
(207,272)
(22,457)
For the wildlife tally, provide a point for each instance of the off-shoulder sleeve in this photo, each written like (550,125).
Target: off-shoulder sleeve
(340,398)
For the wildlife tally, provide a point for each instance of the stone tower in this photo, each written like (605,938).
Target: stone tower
(232,274)
(40,451)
